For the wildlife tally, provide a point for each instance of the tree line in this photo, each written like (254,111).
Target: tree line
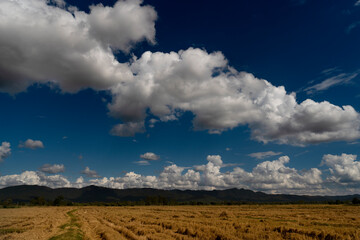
(151,200)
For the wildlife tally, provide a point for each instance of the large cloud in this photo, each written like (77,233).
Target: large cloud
(268,176)
(221,98)
(343,168)
(5,150)
(34,178)
(42,43)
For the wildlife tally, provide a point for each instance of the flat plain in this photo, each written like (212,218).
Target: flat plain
(182,222)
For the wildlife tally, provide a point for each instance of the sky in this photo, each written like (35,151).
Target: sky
(261,95)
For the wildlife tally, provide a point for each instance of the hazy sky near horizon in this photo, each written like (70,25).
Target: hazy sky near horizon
(262,95)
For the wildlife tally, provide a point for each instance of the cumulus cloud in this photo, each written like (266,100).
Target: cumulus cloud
(31,144)
(343,168)
(275,175)
(5,150)
(75,50)
(45,43)
(34,178)
(150,156)
(221,98)
(261,155)
(268,176)
(58,3)
(55,168)
(134,23)
(90,173)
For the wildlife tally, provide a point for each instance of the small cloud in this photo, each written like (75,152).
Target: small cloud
(48,168)
(31,144)
(261,155)
(150,156)
(128,129)
(230,164)
(152,122)
(90,173)
(301,153)
(357,3)
(80,157)
(65,137)
(5,150)
(142,162)
(338,79)
(134,140)
(227,149)
(352,26)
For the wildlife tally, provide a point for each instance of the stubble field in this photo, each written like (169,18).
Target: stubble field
(182,222)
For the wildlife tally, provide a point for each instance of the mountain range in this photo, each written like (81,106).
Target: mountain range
(89,194)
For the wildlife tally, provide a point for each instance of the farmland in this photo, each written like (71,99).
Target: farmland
(182,222)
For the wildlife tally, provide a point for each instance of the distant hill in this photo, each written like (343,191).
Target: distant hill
(26,193)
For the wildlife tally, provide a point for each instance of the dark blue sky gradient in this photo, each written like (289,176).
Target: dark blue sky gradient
(284,42)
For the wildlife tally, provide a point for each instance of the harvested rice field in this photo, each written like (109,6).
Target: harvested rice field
(182,222)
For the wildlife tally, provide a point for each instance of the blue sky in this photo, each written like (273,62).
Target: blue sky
(181,94)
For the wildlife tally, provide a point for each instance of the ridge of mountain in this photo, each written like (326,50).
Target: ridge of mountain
(25,193)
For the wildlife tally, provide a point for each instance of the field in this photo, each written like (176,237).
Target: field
(182,222)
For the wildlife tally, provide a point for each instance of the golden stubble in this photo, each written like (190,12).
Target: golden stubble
(187,222)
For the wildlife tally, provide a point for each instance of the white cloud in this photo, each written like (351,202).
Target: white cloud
(357,3)
(90,173)
(268,176)
(261,155)
(222,98)
(34,178)
(275,176)
(142,163)
(43,43)
(5,150)
(58,3)
(343,168)
(133,23)
(79,183)
(215,159)
(128,129)
(342,78)
(32,144)
(55,168)
(150,156)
